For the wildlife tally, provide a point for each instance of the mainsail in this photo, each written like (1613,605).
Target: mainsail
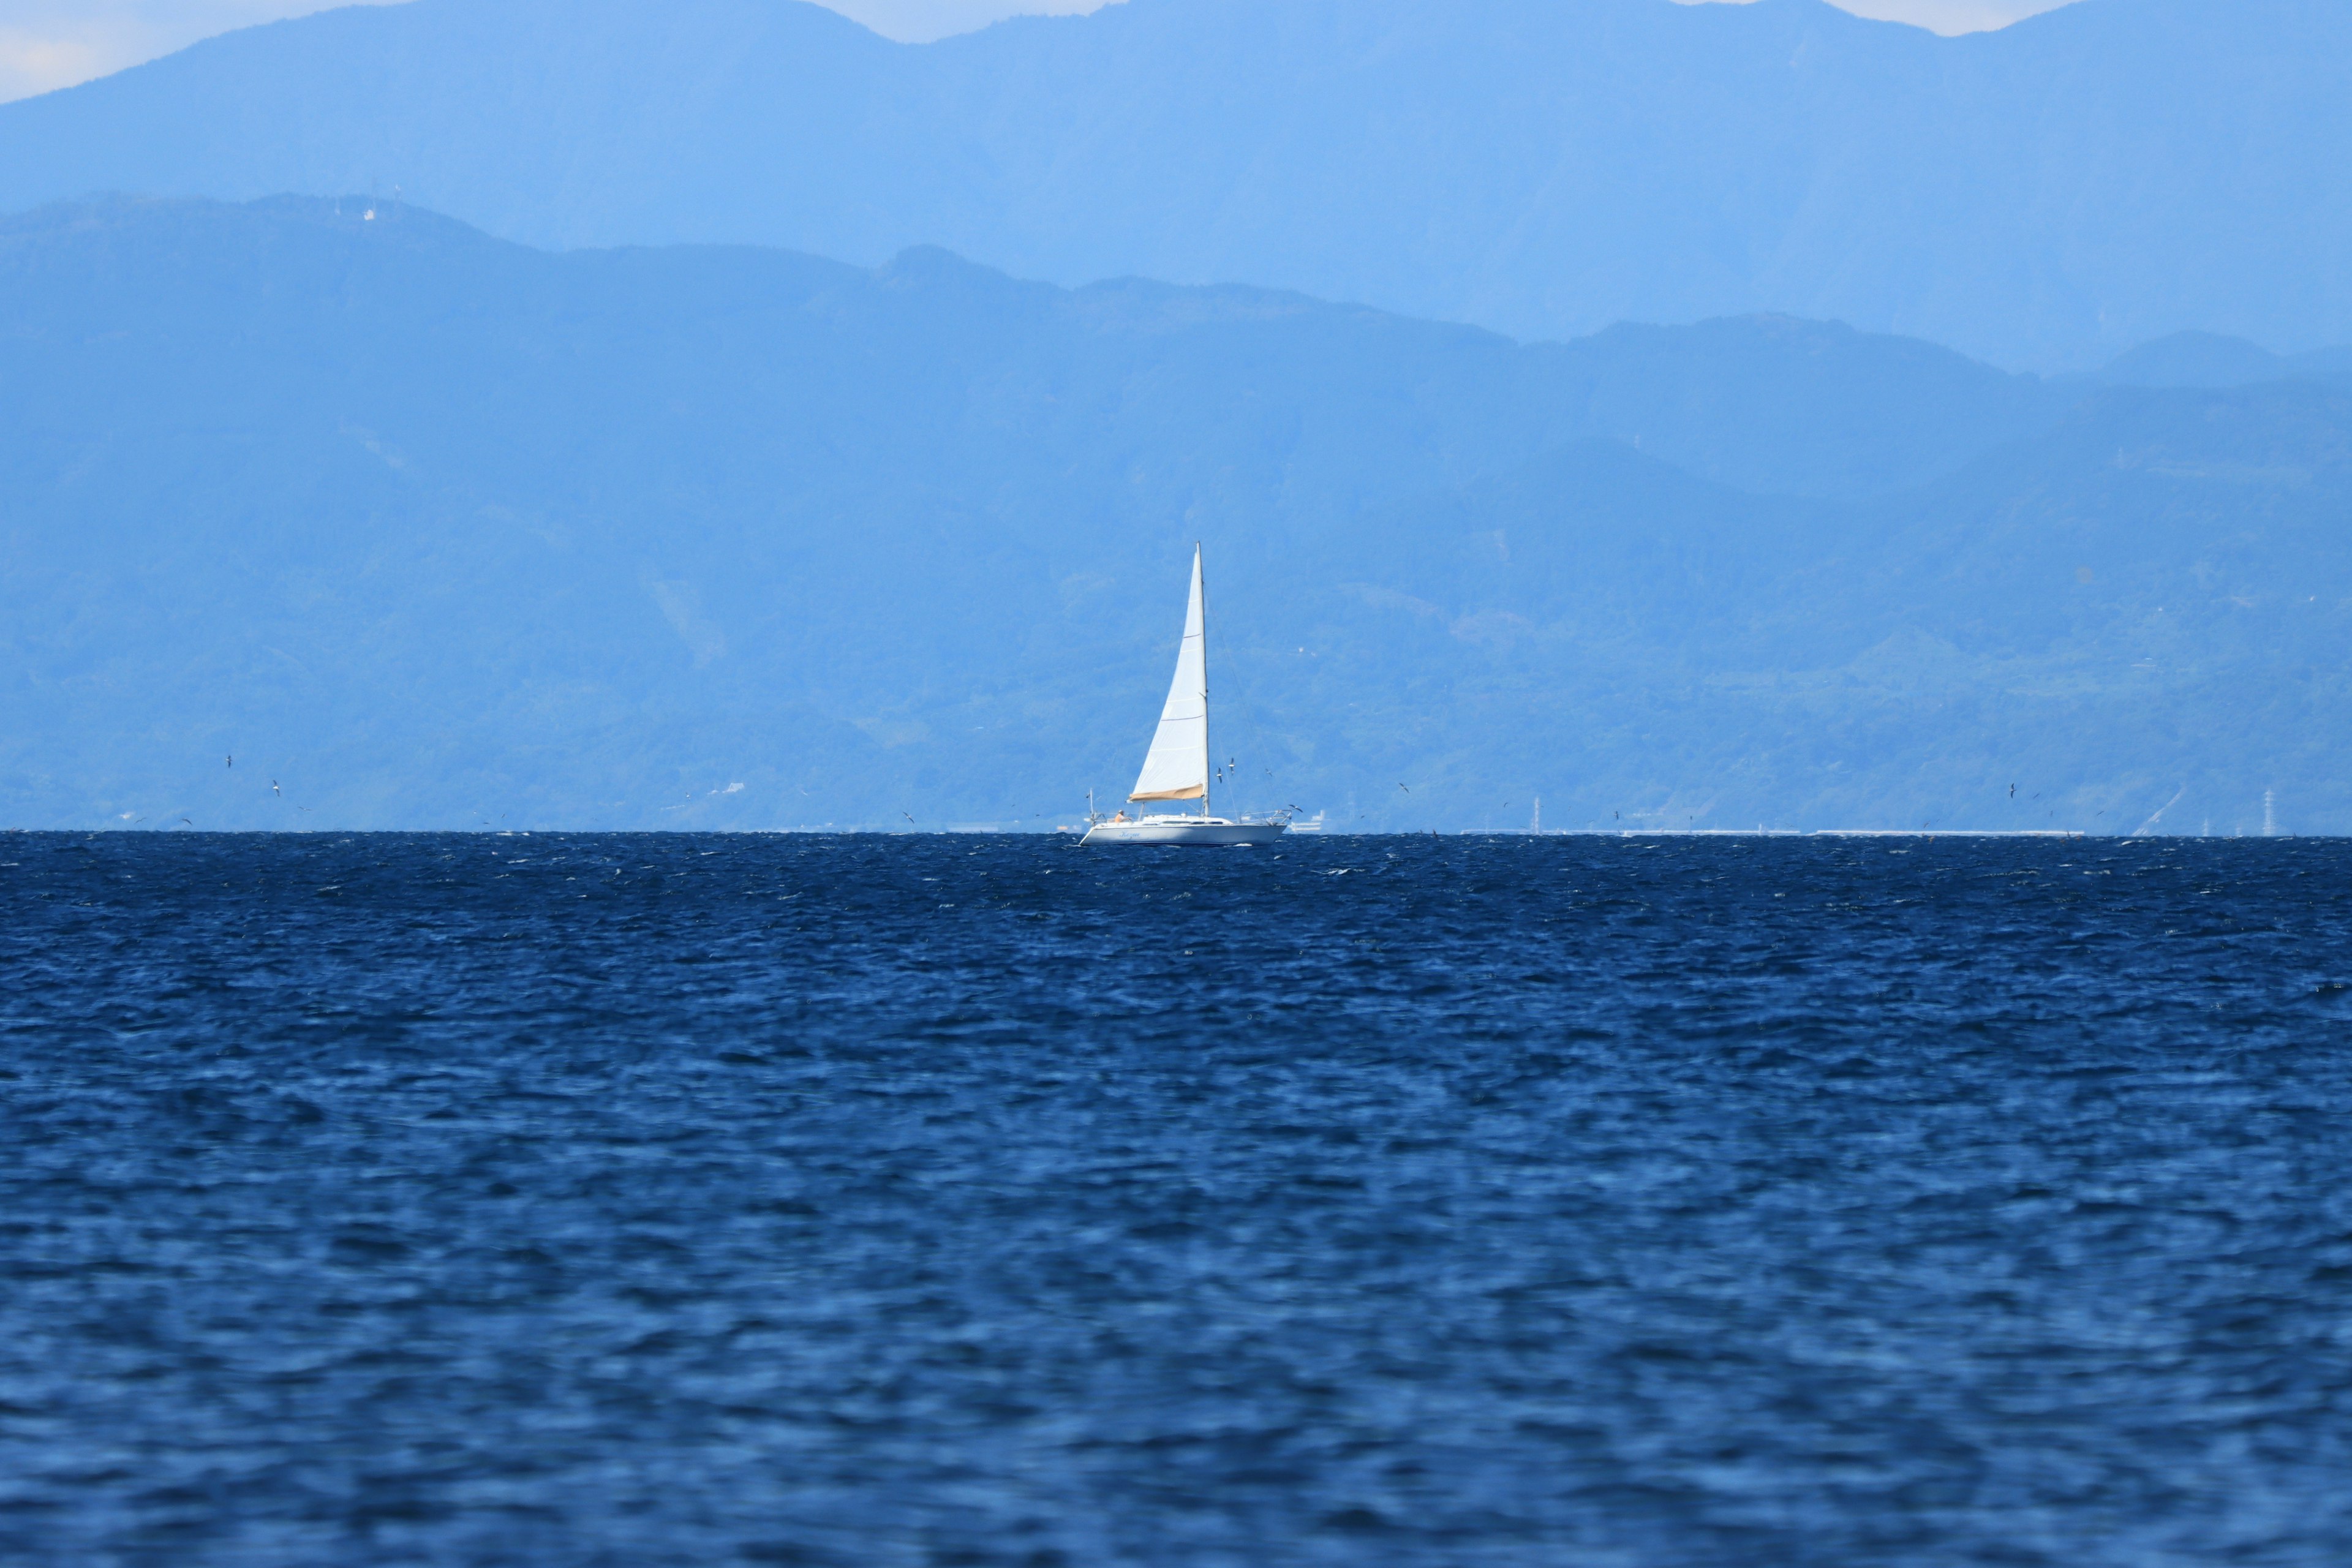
(1178,765)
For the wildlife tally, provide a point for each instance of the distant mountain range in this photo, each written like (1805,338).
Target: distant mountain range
(2043,196)
(426,529)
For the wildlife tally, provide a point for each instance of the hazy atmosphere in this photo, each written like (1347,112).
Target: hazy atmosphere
(1180,784)
(569,413)
(49,44)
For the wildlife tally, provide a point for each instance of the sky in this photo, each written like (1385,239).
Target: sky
(49,43)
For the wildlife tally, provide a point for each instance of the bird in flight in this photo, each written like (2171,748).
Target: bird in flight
(276,791)
(1403,787)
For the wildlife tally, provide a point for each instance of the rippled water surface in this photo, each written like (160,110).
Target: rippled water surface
(883,1201)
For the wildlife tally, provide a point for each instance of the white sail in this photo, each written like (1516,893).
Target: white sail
(1178,765)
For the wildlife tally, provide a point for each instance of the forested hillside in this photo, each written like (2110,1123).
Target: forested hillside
(427,529)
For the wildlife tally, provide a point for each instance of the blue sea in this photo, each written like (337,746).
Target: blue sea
(1390,1201)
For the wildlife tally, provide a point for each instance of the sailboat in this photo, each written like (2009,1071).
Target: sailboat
(1177,766)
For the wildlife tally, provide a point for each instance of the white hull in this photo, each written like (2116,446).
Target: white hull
(1200,832)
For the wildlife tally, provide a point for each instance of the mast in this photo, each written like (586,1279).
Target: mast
(1208,742)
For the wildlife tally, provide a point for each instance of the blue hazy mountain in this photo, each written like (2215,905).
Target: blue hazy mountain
(2045,196)
(428,529)
(2209,359)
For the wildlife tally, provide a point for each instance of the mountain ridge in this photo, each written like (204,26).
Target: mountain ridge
(2047,196)
(439,531)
